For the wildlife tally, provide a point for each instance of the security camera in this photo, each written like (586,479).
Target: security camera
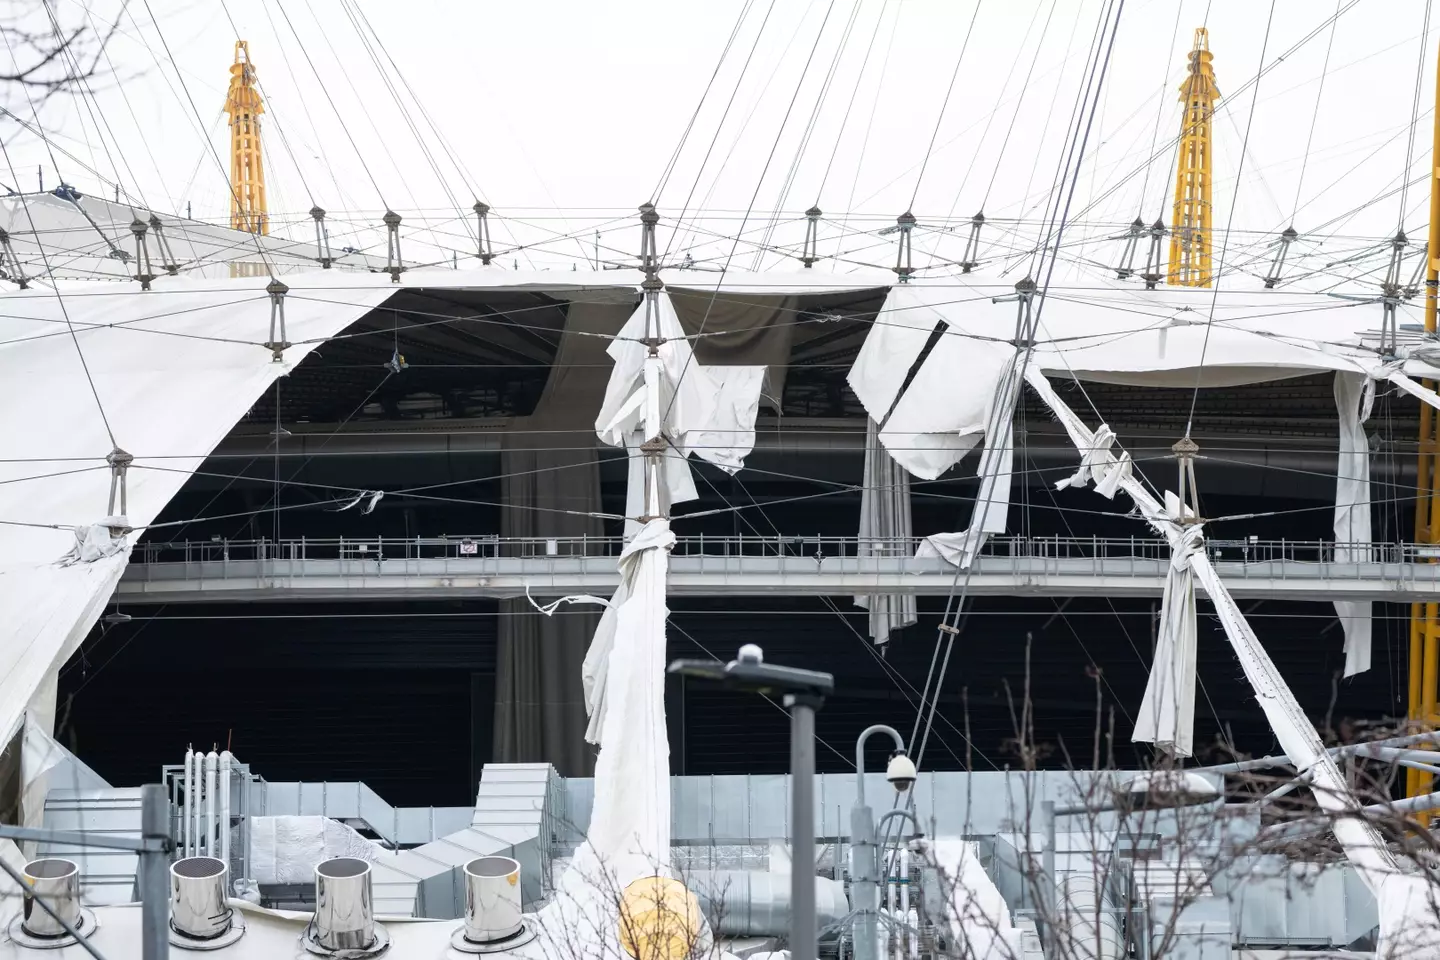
(900,771)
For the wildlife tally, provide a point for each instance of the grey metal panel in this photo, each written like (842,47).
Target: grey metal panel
(106,876)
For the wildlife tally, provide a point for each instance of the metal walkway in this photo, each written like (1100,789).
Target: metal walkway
(454,567)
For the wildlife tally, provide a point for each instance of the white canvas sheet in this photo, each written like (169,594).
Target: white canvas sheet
(1354,397)
(884,522)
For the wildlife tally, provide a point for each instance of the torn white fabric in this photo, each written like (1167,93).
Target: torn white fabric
(372,497)
(1294,731)
(706,410)
(1167,712)
(896,338)
(885,530)
(1354,398)
(992,499)
(96,541)
(975,911)
(1098,464)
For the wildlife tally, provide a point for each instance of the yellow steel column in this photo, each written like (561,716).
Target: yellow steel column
(1425,618)
(1190,236)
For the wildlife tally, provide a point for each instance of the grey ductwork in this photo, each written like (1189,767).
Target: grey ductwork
(516,810)
(1091,927)
(57,882)
(756,903)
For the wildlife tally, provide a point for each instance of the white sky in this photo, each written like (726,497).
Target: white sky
(562,113)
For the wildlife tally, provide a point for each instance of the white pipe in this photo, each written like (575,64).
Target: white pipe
(212,760)
(185,800)
(894,931)
(226,759)
(905,900)
(197,780)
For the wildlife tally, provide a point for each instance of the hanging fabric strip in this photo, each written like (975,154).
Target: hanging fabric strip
(885,531)
(1297,735)
(1167,714)
(997,463)
(1354,398)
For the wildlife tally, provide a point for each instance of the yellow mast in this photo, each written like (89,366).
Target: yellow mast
(247,169)
(1425,617)
(1190,239)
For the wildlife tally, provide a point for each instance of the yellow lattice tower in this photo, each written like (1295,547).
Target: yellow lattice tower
(1190,238)
(247,167)
(1425,617)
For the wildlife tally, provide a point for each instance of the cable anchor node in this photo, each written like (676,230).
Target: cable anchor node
(809,253)
(393,264)
(970,259)
(1390,295)
(119,461)
(904,263)
(483,249)
(277,344)
(322,238)
(143,270)
(1185,450)
(1126,268)
(10,268)
(1154,265)
(1282,253)
(167,258)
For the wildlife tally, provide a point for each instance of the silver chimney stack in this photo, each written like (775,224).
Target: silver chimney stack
(57,882)
(198,907)
(492,899)
(344,909)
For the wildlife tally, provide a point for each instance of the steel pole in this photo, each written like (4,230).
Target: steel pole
(154,874)
(803,927)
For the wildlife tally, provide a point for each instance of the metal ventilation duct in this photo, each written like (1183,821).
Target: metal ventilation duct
(198,907)
(57,881)
(344,909)
(492,899)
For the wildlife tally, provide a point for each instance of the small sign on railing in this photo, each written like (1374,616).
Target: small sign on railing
(469,548)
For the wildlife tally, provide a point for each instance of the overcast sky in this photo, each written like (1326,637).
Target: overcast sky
(561,114)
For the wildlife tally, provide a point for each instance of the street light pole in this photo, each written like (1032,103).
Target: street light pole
(804,692)
(865,883)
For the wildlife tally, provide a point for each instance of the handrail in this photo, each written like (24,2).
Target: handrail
(820,548)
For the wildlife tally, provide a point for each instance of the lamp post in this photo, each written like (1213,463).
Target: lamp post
(803,692)
(865,883)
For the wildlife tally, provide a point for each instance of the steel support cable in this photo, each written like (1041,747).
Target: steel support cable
(1160,107)
(352,14)
(664,180)
(320,81)
(471,182)
(1315,115)
(945,103)
(1230,219)
(820,97)
(719,128)
(854,94)
(59,298)
(896,678)
(759,183)
(384,143)
(1097,75)
(1225,102)
(1019,104)
(165,45)
(1414,118)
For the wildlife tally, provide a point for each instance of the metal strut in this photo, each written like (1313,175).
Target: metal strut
(1126,269)
(277,344)
(483,249)
(322,239)
(1154,265)
(143,271)
(653,445)
(1185,450)
(119,462)
(809,254)
(167,258)
(393,264)
(904,265)
(1391,293)
(10,268)
(971,257)
(1282,253)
